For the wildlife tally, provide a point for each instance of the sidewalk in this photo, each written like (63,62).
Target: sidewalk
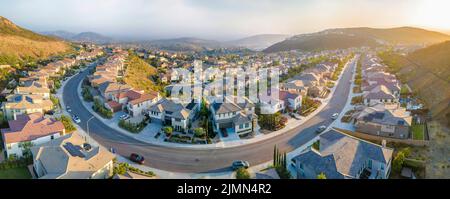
(149,137)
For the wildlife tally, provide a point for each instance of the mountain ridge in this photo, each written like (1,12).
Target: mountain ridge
(357,37)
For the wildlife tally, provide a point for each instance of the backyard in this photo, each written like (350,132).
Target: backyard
(15,173)
(418,131)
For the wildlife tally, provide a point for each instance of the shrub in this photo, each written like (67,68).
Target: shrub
(199,132)
(242,173)
(357,100)
(168,130)
(132,127)
(68,124)
(87,96)
(101,109)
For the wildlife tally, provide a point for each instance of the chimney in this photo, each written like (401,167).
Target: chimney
(383,143)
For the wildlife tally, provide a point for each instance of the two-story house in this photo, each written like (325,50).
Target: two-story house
(341,156)
(28,130)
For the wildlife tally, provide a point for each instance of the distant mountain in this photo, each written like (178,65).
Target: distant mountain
(357,37)
(184,44)
(90,37)
(17,43)
(258,42)
(60,34)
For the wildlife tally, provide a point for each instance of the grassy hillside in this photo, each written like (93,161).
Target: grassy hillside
(320,42)
(427,72)
(357,37)
(18,44)
(402,35)
(138,74)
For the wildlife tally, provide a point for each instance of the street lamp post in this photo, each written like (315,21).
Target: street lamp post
(87,127)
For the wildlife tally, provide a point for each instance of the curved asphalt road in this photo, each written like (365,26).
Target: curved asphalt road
(205,160)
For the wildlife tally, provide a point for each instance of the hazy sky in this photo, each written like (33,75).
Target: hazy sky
(225,19)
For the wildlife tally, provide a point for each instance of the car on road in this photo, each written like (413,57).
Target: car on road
(335,116)
(137,158)
(112,150)
(68,109)
(240,164)
(76,119)
(321,129)
(125,117)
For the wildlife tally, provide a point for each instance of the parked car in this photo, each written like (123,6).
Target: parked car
(112,150)
(240,164)
(137,158)
(76,119)
(321,129)
(125,117)
(68,109)
(335,116)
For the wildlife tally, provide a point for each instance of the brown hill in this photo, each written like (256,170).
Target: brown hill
(18,44)
(427,72)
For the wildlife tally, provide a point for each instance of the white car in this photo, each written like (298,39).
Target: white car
(124,117)
(76,119)
(68,109)
(335,116)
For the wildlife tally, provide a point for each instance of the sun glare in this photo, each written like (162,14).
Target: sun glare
(433,14)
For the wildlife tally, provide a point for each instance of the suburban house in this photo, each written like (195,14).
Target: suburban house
(70,157)
(384,120)
(109,89)
(392,86)
(232,116)
(18,104)
(270,105)
(341,156)
(379,94)
(295,86)
(310,79)
(170,113)
(140,105)
(34,88)
(27,130)
(292,101)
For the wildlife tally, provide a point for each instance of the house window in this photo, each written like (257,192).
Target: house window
(8,146)
(382,167)
(301,166)
(247,125)
(241,126)
(52,137)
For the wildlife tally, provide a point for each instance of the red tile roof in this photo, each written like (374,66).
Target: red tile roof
(30,127)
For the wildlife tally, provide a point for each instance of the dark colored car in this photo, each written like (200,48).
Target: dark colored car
(240,164)
(321,129)
(137,158)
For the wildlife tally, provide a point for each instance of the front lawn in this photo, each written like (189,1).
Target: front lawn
(418,131)
(15,173)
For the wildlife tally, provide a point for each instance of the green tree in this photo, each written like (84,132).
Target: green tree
(398,161)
